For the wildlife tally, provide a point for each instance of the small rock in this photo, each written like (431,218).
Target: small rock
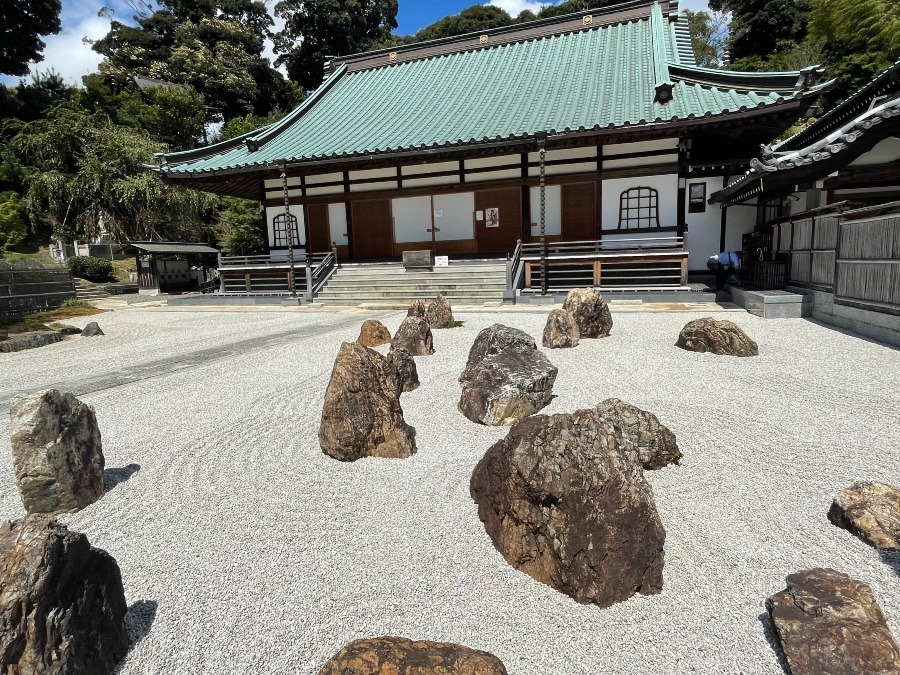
(92,330)
(407,374)
(414,335)
(66,329)
(831,624)
(561,330)
(589,311)
(30,340)
(373,333)
(400,656)
(3,334)
(62,605)
(871,511)
(439,314)
(718,336)
(362,416)
(655,442)
(416,309)
(57,452)
(564,499)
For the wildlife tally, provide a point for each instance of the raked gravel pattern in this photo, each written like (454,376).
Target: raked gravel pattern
(244,549)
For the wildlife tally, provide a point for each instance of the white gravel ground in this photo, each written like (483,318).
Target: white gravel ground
(244,549)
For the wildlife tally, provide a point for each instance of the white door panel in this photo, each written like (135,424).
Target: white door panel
(337,224)
(454,215)
(412,219)
(552,210)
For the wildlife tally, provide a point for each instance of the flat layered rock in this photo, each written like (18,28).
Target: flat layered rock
(65,329)
(830,624)
(373,333)
(362,416)
(871,511)
(439,314)
(405,366)
(718,336)
(564,499)
(400,656)
(561,330)
(414,335)
(655,443)
(589,311)
(18,342)
(62,605)
(57,452)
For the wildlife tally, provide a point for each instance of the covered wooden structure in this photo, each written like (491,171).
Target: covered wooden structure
(167,266)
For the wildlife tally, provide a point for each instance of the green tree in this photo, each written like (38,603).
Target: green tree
(758,28)
(317,29)
(470,20)
(22,24)
(708,34)
(240,227)
(12,225)
(174,115)
(239,126)
(28,101)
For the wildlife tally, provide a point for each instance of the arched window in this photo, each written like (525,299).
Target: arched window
(638,207)
(283,224)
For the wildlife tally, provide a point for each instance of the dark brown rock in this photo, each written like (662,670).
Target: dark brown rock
(416,309)
(439,314)
(65,329)
(362,416)
(871,511)
(62,605)
(495,339)
(3,334)
(400,656)
(92,330)
(561,330)
(655,442)
(718,336)
(831,624)
(373,333)
(590,312)
(414,335)
(564,499)
(405,366)
(57,452)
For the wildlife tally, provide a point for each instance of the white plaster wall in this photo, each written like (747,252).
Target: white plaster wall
(741,220)
(666,185)
(704,229)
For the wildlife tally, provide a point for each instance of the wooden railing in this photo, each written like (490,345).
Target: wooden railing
(268,261)
(259,274)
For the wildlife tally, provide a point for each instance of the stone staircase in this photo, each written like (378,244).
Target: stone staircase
(87,291)
(465,282)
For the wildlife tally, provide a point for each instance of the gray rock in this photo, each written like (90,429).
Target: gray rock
(62,605)
(405,366)
(92,330)
(362,416)
(416,309)
(57,452)
(655,442)
(65,329)
(414,335)
(493,340)
(871,511)
(561,331)
(30,340)
(589,311)
(718,336)
(564,499)
(830,624)
(3,334)
(439,314)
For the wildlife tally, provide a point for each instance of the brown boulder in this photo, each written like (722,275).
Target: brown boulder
(655,442)
(871,511)
(62,605)
(439,314)
(718,336)
(373,333)
(400,656)
(561,330)
(57,452)
(414,335)
(564,499)
(417,308)
(362,416)
(830,624)
(589,311)
(405,366)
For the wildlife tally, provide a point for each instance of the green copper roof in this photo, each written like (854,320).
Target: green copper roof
(596,77)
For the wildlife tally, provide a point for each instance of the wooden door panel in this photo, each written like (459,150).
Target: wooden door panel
(373,231)
(508,201)
(319,235)
(579,211)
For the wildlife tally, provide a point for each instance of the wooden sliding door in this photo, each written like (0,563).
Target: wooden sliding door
(373,235)
(579,211)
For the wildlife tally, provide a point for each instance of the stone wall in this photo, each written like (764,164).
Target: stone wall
(33,286)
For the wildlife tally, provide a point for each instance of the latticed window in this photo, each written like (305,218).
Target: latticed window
(282,224)
(638,207)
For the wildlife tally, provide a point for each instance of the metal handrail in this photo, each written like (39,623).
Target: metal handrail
(516,268)
(323,271)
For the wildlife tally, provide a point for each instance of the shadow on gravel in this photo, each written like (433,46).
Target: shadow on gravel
(892,560)
(112,477)
(139,618)
(772,639)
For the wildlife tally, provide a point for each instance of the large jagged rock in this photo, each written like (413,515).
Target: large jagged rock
(831,624)
(92,330)
(493,340)
(564,499)
(871,511)
(414,335)
(417,308)
(405,366)
(373,334)
(590,312)
(30,340)
(362,416)
(401,656)
(718,336)
(439,314)
(561,330)
(57,452)
(62,605)
(655,442)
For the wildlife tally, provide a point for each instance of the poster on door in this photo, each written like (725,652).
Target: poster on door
(492,218)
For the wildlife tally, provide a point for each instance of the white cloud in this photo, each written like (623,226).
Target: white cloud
(516,7)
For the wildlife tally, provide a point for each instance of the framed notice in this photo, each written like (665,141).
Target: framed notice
(441,261)
(492,217)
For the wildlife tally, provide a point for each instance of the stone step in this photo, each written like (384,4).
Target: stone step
(474,284)
(349,295)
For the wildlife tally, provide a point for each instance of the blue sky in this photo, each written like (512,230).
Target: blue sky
(70,54)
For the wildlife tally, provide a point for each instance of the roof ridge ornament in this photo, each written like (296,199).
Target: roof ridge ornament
(663,82)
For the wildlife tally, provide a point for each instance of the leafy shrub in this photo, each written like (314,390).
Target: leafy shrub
(74,302)
(92,269)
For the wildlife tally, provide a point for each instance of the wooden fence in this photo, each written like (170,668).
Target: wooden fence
(854,254)
(33,286)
